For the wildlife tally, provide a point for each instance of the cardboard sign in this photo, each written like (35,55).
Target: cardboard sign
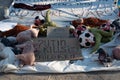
(48,49)
(59,32)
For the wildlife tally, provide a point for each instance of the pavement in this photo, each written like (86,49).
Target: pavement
(101,75)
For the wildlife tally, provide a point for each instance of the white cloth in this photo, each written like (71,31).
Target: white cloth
(9,59)
(7,25)
(108,47)
(62,15)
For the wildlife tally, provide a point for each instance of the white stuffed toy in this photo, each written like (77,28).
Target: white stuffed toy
(27,35)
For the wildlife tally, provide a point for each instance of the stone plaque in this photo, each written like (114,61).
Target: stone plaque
(59,32)
(48,49)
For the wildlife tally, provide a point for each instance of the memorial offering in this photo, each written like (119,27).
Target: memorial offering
(49,49)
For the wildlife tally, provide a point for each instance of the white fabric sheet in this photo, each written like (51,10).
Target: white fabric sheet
(89,63)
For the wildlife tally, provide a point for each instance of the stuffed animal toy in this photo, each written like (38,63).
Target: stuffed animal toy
(94,36)
(101,36)
(27,35)
(48,23)
(91,21)
(13,32)
(79,30)
(27,56)
(38,21)
(19,28)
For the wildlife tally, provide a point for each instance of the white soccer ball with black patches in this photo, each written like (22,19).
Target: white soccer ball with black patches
(86,39)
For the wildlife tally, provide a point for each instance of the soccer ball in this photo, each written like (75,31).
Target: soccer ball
(86,39)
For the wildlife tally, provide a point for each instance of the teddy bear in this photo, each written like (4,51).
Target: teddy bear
(27,56)
(27,35)
(90,21)
(20,27)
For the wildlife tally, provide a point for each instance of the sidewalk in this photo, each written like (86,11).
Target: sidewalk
(103,75)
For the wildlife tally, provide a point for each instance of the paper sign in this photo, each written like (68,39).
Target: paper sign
(58,32)
(48,49)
